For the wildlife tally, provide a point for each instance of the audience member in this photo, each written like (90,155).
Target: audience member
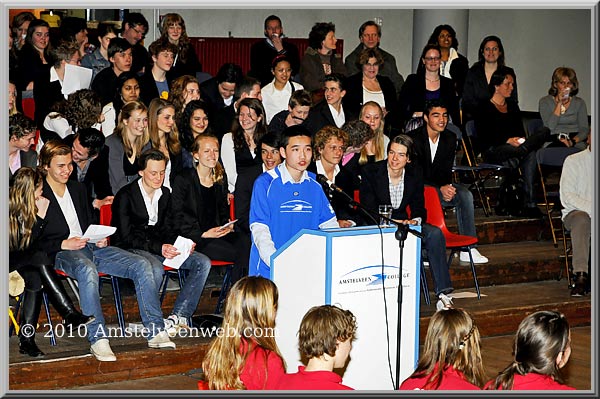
(34,56)
(134,29)
(27,219)
(475,91)
(325,339)
(141,214)
(68,217)
(501,134)
(297,112)
(285,200)
(369,35)
(331,110)
(320,59)
(368,85)
(542,347)
(577,201)
(435,149)
(394,182)
(276,94)
(194,121)
(200,208)
(451,359)
(164,137)
(184,89)
(127,89)
(219,91)
(186,60)
(223,120)
(120,57)
(99,58)
(269,153)
(125,145)
(563,112)
(154,83)
(453,65)
(359,134)
(19,26)
(247,356)
(239,146)
(21,133)
(74,29)
(264,52)
(375,149)
(425,85)
(82,109)
(329,145)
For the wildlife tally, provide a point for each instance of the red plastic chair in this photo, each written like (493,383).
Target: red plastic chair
(455,242)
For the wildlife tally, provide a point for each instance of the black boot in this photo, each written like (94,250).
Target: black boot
(580,282)
(59,298)
(30,311)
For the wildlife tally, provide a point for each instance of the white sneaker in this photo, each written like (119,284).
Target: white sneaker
(101,349)
(161,341)
(174,323)
(444,302)
(477,257)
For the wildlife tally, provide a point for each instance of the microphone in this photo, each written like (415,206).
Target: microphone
(325,182)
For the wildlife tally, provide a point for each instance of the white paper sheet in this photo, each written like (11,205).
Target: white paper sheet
(76,77)
(96,232)
(184,247)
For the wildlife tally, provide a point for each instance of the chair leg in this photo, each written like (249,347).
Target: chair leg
(47,308)
(474,272)
(118,303)
(15,324)
(424,285)
(163,286)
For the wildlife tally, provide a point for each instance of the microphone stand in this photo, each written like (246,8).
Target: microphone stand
(401,235)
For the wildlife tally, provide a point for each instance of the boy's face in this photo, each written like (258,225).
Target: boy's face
(60,169)
(164,60)
(342,352)
(297,153)
(333,94)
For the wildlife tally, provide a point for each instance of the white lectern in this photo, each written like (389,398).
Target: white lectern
(343,267)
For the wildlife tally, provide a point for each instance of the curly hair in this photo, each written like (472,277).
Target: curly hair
(178,93)
(365,54)
(21,206)
(323,136)
(64,51)
(20,125)
(83,108)
(318,33)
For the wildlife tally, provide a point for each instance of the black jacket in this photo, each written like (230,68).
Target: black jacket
(436,172)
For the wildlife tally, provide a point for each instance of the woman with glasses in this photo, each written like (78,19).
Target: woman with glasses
(426,85)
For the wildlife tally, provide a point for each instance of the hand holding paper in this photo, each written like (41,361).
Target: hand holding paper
(184,247)
(96,232)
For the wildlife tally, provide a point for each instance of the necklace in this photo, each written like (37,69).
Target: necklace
(432,80)
(499,105)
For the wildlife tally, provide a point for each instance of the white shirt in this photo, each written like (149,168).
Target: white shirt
(433,147)
(576,185)
(321,171)
(376,96)
(68,209)
(109,124)
(151,203)
(228,159)
(275,100)
(338,118)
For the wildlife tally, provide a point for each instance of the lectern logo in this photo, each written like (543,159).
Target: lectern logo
(367,278)
(296,206)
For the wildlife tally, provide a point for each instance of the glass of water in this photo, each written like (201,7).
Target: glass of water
(385,210)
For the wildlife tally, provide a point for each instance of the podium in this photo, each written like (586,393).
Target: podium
(343,267)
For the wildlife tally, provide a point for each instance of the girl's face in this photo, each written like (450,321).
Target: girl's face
(166,120)
(198,121)
(191,92)
(445,39)
(40,38)
(282,72)
(137,123)
(432,60)
(208,152)
(104,41)
(372,117)
(174,32)
(130,90)
(248,118)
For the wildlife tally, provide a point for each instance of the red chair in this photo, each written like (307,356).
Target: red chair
(455,242)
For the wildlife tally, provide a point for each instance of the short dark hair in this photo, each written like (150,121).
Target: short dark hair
(230,73)
(117,45)
(300,97)
(70,26)
(364,26)
(150,154)
(498,77)
(270,139)
(293,131)
(404,140)
(335,77)
(92,139)
(135,18)
(318,33)
(272,18)
(365,54)
(433,39)
(431,104)
(246,85)
(19,126)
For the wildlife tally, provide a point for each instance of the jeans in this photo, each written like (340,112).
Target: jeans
(465,210)
(435,245)
(85,264)
(198,267)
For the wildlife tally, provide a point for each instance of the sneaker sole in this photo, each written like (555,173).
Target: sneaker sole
(104,358)
(162,346)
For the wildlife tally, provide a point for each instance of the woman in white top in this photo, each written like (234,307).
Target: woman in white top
(238,148)
(276,95)
(128,89)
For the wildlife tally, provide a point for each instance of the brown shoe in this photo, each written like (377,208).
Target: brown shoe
(580,284)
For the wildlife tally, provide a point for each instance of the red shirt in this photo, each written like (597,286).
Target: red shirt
(452,380)
(311,380)
(262,370)
(535,382)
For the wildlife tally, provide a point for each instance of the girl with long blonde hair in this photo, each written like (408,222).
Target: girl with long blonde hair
(27,213)
(164,136)
(245,355)
(376,148)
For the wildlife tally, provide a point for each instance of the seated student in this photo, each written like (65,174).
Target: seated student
(451,358)
(359,134)
(394,182)
(68,217)
(276,94)
(296,113)
(21,138)
(141,214)
(82,109)
(247,357)
(269,153)
(542,347)
(105,81)
(325,339)
(127,89)
(219,91)
(330,111)
(154,83)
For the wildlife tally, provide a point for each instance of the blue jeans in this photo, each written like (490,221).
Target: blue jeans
(198,267)
(435,245)
(84,265)
(465,210)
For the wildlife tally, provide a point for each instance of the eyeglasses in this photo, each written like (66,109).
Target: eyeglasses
(491,49)
(431,59)
(141,33)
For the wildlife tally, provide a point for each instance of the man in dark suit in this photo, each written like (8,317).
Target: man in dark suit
(68,217)
(330,111)
(141,216)
(219,91)
(390,181)
(435,150)
(263,52)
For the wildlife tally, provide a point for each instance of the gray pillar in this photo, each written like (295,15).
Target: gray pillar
(425,21)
